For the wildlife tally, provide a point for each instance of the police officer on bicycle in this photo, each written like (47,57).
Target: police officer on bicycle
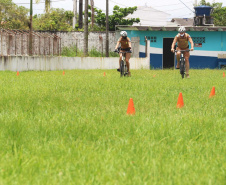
(182,39)
(125,46)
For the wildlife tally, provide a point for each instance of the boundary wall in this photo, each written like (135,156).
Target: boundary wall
(52,63)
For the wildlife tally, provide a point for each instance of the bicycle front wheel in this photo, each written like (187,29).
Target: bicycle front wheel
(182,67)
(122,68)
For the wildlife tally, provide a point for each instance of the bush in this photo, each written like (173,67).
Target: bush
(75,52)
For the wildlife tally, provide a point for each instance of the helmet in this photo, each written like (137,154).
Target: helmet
(181,29)
(123,33)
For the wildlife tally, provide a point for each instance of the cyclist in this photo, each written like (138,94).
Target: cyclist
(125,46)
(182,39)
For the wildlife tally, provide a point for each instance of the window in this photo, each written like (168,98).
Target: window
(152,38)
(199,39)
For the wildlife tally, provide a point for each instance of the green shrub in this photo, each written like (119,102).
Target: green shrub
(73,51)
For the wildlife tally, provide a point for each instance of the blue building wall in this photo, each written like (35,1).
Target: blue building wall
(201,57)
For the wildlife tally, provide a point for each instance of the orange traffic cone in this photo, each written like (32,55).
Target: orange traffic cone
(180,102)
(131,109)
(104,74)
(212,93)
(63,73)
(17,74)
(223,74)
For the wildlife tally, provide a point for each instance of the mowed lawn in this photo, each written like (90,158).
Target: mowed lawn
(73,128)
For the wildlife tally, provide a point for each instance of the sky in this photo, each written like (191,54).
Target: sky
(176,8)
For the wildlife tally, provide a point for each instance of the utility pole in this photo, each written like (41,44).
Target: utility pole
(30,34)
(75,13)
(86,29)
(80,14)
(92,10)
(196,3)
(107,31)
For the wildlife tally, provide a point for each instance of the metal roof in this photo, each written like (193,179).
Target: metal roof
(149,17)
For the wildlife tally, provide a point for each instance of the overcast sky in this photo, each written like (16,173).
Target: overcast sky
(176,8)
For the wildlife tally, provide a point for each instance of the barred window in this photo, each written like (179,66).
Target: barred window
(152,38)
(199,39)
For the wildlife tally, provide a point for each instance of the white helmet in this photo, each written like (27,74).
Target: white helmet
(123,33)
(181,29)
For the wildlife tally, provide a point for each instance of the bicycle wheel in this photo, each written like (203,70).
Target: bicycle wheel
(122,68)
(182,67)
(125,69)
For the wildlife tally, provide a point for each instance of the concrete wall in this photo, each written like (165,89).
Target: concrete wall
(17,44)
(47,63)
(96,40)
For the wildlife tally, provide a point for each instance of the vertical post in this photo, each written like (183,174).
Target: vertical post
(60,46)
(86,29)
(39,45)
(1,44)
(92,10)
(195,2)
(80,13)
(76,49)
(22,44)
(27,44)
(9,44)
(15,43)
(53,38)
(44,45)
(75,13)
(107,30)
(101,44)
(49,46)
(146,46)
(30,34)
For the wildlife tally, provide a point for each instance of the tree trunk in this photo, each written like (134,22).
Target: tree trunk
(86,29)
(107,30)
(80,14)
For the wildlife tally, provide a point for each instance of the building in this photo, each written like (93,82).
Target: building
(209,43)
(209,40)
(149,17)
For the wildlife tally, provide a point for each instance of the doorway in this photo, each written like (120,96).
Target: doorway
(168,56)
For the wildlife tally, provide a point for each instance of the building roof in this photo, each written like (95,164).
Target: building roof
(149,17)
(181,22)
(171,28)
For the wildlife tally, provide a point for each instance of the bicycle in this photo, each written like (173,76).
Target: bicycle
(182,62)
(123,67)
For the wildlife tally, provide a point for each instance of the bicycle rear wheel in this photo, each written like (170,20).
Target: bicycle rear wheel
(122,68)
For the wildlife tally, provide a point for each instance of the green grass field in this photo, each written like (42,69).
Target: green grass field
(73,129)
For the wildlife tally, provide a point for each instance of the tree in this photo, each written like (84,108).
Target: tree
(116,19)
(13,16)
(54,20)
(47,4)
(219,12)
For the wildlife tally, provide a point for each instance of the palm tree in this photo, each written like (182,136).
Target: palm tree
(47,4)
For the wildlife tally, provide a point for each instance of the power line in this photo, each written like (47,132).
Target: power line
(118,3)
(186,6)
(35,3)
(171,4)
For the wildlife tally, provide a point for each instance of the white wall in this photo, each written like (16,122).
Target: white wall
(18,46)
(47,63)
